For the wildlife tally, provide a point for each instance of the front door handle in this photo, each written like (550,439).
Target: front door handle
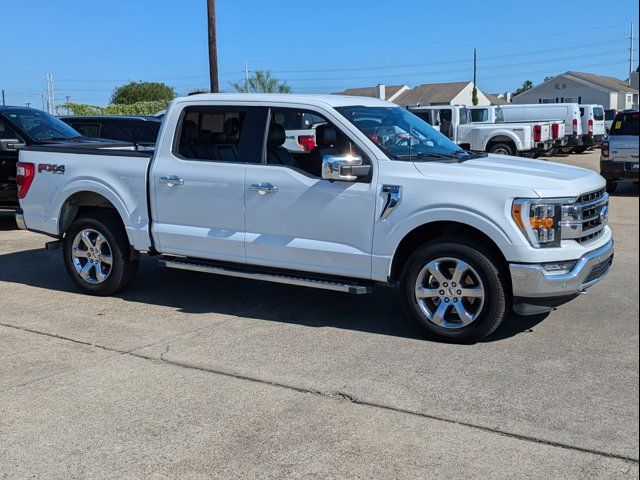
(263,188)
(171,181)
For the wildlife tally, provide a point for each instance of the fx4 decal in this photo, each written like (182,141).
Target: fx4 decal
(55,169)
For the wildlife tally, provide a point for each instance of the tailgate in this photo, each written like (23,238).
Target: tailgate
(624,148)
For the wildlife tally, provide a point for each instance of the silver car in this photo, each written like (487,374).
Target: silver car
(619,154)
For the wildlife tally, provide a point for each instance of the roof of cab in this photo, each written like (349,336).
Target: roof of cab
(303,99)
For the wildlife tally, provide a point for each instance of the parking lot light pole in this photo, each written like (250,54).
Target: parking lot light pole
(213,48)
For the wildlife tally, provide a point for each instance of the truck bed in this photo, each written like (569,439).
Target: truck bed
(116,173)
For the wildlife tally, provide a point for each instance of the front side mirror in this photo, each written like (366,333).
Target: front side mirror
(11,145)
(344,167)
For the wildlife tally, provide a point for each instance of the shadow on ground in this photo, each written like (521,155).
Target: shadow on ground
(7,221)
(197,293)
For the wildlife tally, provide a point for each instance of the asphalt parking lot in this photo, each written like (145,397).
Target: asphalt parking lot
(188,375)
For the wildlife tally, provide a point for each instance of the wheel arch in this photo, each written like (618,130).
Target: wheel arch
(85,201)
(505,137)
(433,230)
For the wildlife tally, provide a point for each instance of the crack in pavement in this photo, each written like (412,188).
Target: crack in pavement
(338,396)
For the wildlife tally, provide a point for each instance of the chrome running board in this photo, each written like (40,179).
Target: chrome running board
(179,263)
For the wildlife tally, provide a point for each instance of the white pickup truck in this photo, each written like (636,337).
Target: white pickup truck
(454,121)
(468,236)
(493,114)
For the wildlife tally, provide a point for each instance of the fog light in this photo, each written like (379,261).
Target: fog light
(559,268)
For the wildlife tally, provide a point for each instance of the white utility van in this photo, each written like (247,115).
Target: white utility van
(593,127)
(569,112)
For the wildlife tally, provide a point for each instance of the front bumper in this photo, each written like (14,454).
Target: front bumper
(20,219)
(534,282)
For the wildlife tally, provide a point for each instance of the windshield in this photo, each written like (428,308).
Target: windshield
(40,126)
(401,134)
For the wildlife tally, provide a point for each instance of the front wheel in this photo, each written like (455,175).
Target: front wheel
(456,289)
(97,254)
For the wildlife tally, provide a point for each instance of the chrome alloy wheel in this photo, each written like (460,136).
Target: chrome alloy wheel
(91,255)
(450,293)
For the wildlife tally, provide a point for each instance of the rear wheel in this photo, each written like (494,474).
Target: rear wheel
(97,254)
(611,186)
(456,289)
(579,149)
(501,149)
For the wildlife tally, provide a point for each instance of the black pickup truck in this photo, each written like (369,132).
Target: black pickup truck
(20,127)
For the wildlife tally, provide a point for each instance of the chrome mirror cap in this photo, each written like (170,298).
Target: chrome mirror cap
(346,168)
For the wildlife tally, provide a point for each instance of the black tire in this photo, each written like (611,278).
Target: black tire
(502,149)
(497,301)
(122,269)
(579,149)
(611,186)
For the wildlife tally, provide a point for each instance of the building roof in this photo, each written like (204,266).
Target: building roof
(601,81)
(495,100)
(390,91)
(431,93)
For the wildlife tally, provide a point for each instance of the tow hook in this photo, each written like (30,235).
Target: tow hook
(51,246)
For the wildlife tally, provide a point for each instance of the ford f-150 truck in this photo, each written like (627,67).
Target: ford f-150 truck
(467,236)
(454,121)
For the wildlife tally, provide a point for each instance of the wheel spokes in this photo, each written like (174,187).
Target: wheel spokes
(422,292)
(434,270)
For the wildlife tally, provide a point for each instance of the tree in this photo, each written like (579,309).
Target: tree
(134,92)
(138,108)
(526,85)
(474,96)
(261,82)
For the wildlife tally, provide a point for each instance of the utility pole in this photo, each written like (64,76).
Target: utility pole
(68,97)
(4,103)
(475,67)
(631,54)
(474,95)
(246,75)
(213,47)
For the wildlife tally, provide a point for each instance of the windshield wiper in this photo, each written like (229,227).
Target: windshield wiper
(455,155)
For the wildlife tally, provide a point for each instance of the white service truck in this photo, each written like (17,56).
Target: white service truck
(494,114)
(469,237)
(454,121)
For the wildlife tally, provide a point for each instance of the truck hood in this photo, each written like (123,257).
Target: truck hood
(545,179)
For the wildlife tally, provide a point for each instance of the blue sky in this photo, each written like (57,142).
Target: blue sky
(91,46)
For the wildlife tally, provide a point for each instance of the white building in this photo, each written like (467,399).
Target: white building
(579,87)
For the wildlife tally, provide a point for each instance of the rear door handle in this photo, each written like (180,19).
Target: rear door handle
(263,188)
(171,181)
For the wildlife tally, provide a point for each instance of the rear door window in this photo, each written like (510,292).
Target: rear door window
(598,113)
(479,115)
(88,129)
(626,124)
(223,134)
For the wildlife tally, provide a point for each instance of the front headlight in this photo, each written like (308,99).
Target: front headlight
(540,220)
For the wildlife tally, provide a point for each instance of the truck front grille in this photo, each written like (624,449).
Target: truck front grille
(585,220)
